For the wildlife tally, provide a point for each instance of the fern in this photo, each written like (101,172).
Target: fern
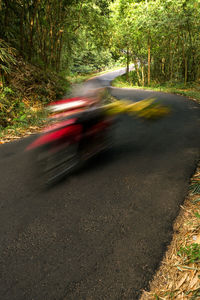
(7,59)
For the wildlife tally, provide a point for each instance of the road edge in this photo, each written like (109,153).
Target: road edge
(175,278)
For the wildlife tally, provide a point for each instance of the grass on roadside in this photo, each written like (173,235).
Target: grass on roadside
(191,90)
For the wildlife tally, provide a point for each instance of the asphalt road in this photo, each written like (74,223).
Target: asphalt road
(101,233)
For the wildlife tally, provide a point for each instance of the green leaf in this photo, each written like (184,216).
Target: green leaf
(196,200)
(22,117)
(197,215)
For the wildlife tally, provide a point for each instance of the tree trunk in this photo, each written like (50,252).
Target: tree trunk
(149,61)
(198,73)
(59,52)
(143,77)
(127,64)
(137,71)
(22,29)
(163,66)
(185,64)
(186,70)
(32,24)
(170,62)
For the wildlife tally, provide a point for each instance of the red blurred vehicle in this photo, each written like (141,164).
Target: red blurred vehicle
(79,131)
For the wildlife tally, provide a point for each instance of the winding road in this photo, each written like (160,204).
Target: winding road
(101,233)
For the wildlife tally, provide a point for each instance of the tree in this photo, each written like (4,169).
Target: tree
(41,29)
(162,35)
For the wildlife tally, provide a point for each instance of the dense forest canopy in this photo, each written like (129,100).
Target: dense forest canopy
(162,38)
(53,32)
(161,34)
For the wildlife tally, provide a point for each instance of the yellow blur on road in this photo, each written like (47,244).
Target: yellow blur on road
(146,108)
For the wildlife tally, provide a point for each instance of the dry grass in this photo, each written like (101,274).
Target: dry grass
(178,277)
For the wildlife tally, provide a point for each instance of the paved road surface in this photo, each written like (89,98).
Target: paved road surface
(101,233)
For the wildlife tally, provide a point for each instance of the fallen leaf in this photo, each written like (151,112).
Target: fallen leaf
(180,283)
(193,282)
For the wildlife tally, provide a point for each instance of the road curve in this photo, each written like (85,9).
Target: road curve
(101,233)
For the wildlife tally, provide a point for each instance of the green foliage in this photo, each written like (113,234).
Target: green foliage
(83,35)
(197,215)
(91,60)
(195,188)
(7,59)
(49,32)
(29,89)
(191,253)
(14,112)
(161,38)
(9,110)
(56,35)
(165,31)
(132,80)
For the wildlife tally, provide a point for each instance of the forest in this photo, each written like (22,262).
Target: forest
(163,35)
(46,40)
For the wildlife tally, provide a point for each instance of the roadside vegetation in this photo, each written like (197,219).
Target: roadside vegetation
(25,90)
(73,39)
(161,39)
(190,90)
(45,46)
(162,42)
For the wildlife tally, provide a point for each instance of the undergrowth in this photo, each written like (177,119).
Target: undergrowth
(24,94)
